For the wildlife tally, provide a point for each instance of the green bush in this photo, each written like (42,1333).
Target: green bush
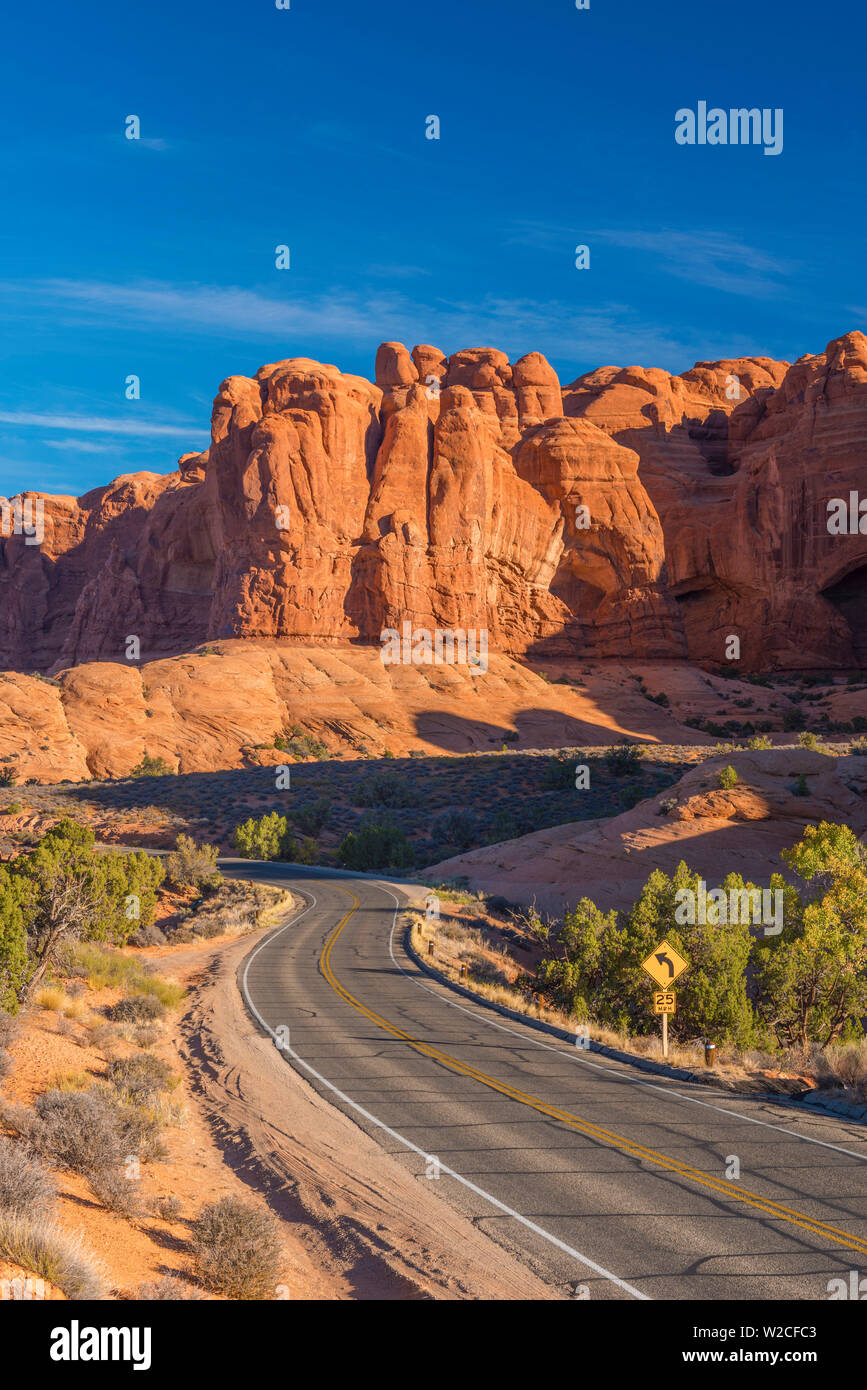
(559,773)
(192,865)
(811,979)
(623,758)
(596,972)
(269,837)
(383,789)
(311,816)
(262,838)
(151,767)
(65,890)
(727,778)
(301,745)
(456,827)
(376,845)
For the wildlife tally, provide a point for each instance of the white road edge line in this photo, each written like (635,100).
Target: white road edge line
(481,1017)
(479,1191)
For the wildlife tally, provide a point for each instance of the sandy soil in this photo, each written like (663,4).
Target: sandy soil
(354,1223)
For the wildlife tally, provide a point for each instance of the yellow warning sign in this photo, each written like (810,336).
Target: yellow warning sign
(664,964)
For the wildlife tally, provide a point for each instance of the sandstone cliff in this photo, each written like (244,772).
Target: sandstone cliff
(630,514)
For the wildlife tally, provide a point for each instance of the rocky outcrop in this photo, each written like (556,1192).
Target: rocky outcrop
(631,514)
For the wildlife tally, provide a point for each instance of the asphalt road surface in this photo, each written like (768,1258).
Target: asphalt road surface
(607,1180)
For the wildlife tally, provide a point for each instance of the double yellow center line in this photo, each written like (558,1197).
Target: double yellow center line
(604,1136)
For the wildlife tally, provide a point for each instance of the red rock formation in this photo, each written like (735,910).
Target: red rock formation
(450,493)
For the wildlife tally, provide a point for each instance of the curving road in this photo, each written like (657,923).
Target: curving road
(601,1178)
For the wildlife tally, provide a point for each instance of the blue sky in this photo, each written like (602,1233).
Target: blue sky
(306,127)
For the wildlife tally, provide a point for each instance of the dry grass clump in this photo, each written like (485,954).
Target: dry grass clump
(41,1247)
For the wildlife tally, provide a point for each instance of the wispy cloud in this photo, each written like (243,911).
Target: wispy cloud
(607,333)
(81,446)
(713,259)
(94,424)
(710,258)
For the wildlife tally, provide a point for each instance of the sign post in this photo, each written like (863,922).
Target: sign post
(664,965)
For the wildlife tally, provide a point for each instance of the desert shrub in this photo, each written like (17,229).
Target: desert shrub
(167,1207)
(808,740)
(11,809)
(8,776)
(376,845)
(151,767)
(90,1131)
(137,1008)
(301,745)
(759,741)
(192,865)
(144,1034)
(727,778)
(40,1246)
(166,1289)
(150,935)
(801,788)
(237,1249)
(455,827)
(559,772)
(509,824)
(140,1076)
(383,789)
(311,816)
(9,1028)
(25,1185)
(116,1191)
(103,1034)
(623,758)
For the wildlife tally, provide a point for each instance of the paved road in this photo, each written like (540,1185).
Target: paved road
(601,1177)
